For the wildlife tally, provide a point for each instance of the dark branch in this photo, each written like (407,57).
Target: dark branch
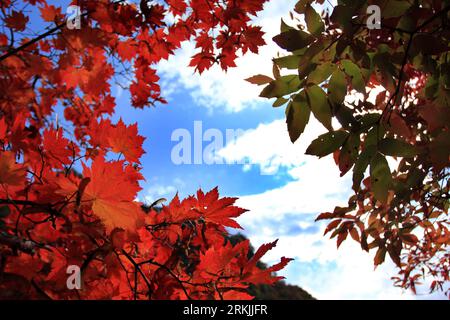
(20,244)
(56,28)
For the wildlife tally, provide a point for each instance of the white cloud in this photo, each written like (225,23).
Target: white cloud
(316,184)
(217,89)
(288,213)
(330,273)
(158,191)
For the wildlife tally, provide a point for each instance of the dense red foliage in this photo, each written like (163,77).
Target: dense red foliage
(50,216)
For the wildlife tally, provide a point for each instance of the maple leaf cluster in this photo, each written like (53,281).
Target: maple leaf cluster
(382,96)
(63,201)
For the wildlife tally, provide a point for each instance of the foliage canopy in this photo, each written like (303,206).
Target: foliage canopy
(383,96)
(50,216)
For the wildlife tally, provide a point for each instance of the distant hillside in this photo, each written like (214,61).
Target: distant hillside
(279,291)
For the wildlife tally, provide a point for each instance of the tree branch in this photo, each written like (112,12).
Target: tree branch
(21,244)
(390,103)
(14,51)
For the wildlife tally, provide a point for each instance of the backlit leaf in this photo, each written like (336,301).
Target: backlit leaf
(361,165)
(281,87)
(380,177)
(259,79)
(297,116)
(337,87)
(327,143)
(397,148)
(354,72)
(293,40)
(318,103)
(313,21)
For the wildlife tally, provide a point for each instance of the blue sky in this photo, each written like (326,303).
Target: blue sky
(158,124)
(284,204)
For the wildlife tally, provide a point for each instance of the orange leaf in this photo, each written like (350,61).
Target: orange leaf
(112,192)
(125,139)
(259,79)
(126,49)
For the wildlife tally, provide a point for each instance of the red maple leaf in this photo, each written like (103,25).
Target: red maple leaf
(57,147)
(127,49)
(50,13)
(216,262)
(177,6)
(253,39)
(125,140)
(202,61)
(17,20)
(258,276)
(218,211)
(111,192)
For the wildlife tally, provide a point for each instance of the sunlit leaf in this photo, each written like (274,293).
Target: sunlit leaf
(297,116)
(381,177)
(327,143)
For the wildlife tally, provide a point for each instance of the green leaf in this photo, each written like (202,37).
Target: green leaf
(327,143)
(354,72)
(349,153)
(337,88)
(313,21)
(293,39)
(380,176)
(285,27)
(281,87)
(318,103)
(288,62)
(279,102)
(374,135)
(4,211)
(394,8)
(415,178)
(345,117)
(361,165)
(301,5)
(316,48)
(321,73)
(297,116)
(369,120)
(397,148)
(304,69)
(309,60)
